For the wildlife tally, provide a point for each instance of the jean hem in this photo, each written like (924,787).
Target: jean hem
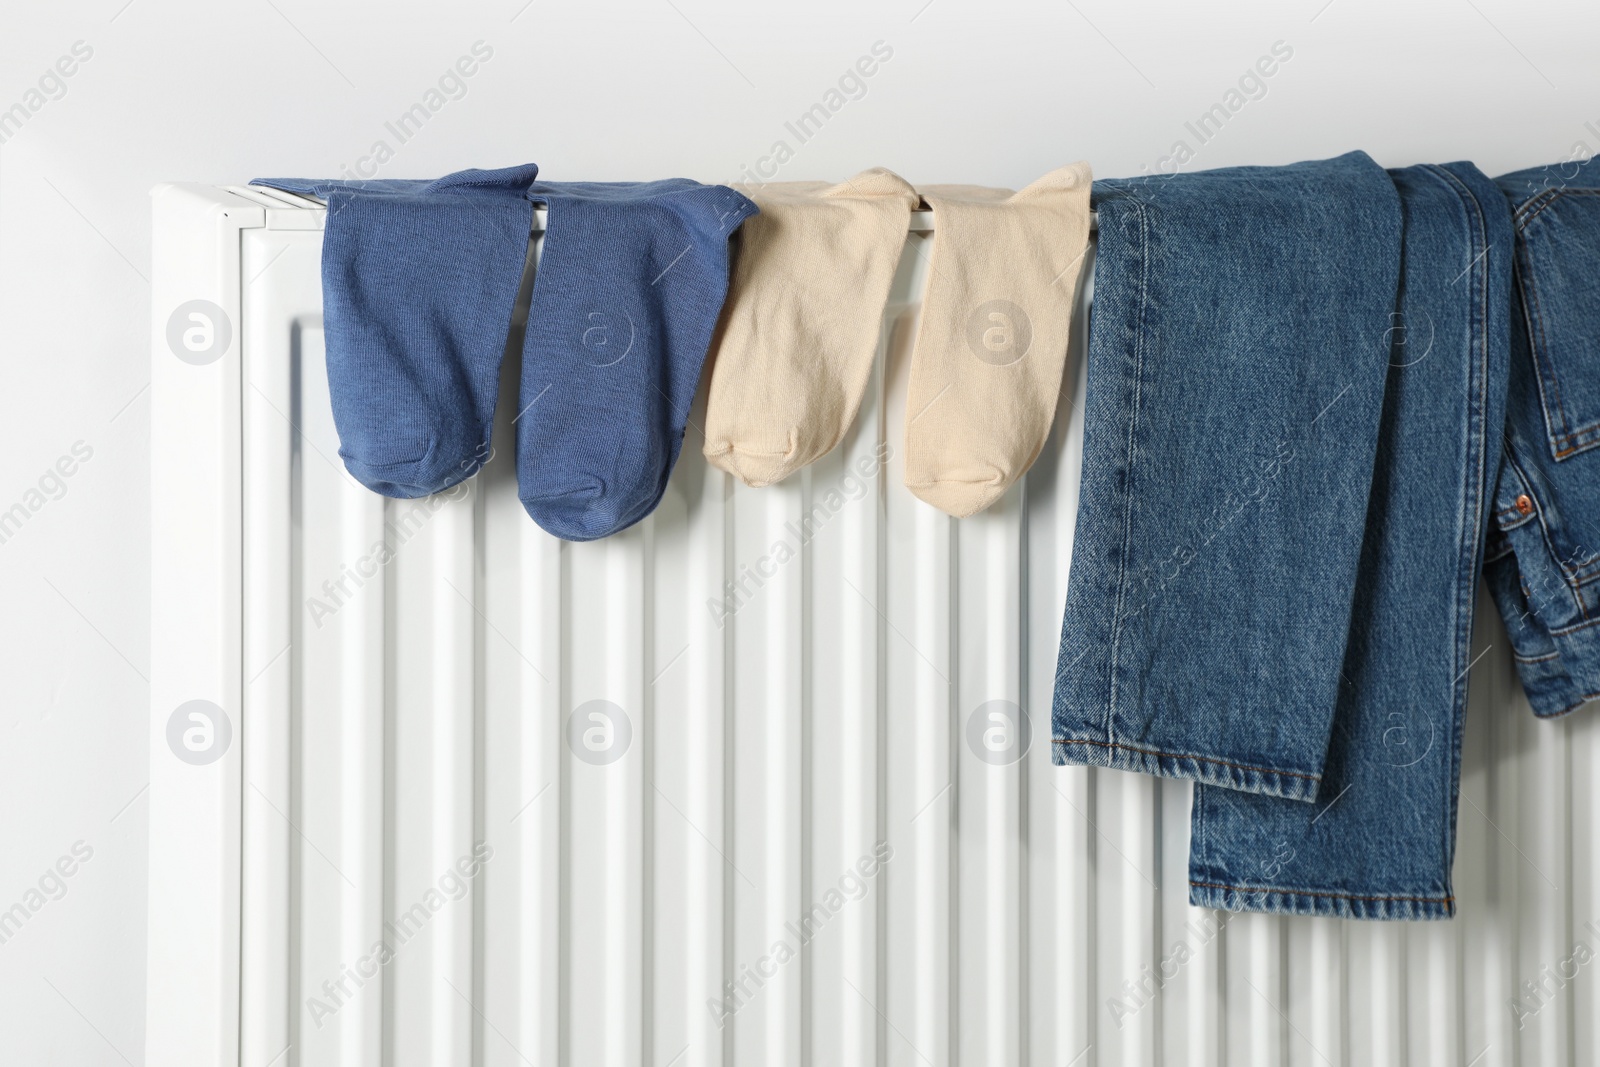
(1281,901)
(1246,778)
(1553,709)
(1560,685)
(1559,671)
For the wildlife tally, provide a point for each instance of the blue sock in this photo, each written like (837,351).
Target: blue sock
(630,282)
(418,283)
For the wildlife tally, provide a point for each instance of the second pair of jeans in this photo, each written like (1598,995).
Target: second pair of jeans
(1544,552)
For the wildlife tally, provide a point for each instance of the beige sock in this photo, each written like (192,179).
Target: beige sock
(800,328)
(987,364)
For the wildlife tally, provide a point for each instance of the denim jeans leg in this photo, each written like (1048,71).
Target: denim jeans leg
(1380,840)
(1236,370)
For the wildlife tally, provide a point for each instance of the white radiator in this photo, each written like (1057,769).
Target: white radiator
(664,759)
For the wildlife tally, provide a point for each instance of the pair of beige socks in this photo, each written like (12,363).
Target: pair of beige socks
(805,307)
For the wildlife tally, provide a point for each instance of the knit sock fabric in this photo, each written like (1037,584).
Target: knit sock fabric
(418,283)
(800,331)
(987,364)
(630,280)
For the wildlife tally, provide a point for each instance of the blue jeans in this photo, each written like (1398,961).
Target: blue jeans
(1309,652)
(1238,346)
(1544,552)
(1379,842)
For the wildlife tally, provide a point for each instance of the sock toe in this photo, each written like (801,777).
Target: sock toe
(963,495)
(406,479)
(755,467)
(587,511)
(574,513)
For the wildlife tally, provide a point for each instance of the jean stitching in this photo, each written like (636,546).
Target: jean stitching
(1476,497)
(1318,893)
(1533,325)
(1577,627)
(1583,698)
(1545,535)
(1178,755)
(1539,347)
(1579,440)
(1139,213)
(1543,362)
(1533,208)
(1545,200)
(1569,440)
(1529,209)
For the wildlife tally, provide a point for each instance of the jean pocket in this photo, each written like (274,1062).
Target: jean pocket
(1558,272)
(1552,555)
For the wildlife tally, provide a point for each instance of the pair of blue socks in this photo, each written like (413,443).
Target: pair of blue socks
(420,280)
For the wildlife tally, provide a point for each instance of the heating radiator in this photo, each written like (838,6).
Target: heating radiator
(764,780)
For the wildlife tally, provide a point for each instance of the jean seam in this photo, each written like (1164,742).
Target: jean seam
(1544,535)
(1449,899)
(1583,698)
(1563,443)
(1540,347)
(1578,441)
(1529,209)
(1577,627)
(1476,497)
(1533,325)
(1503,519)
(1131,454)
(1544,200)
(1532,208)
(1181,755)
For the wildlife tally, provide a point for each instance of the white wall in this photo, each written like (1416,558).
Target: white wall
(975,90)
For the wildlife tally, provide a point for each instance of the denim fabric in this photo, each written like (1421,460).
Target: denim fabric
(1544,553)
(630,282)
(1380,840)
(1238,347)
(419,279)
